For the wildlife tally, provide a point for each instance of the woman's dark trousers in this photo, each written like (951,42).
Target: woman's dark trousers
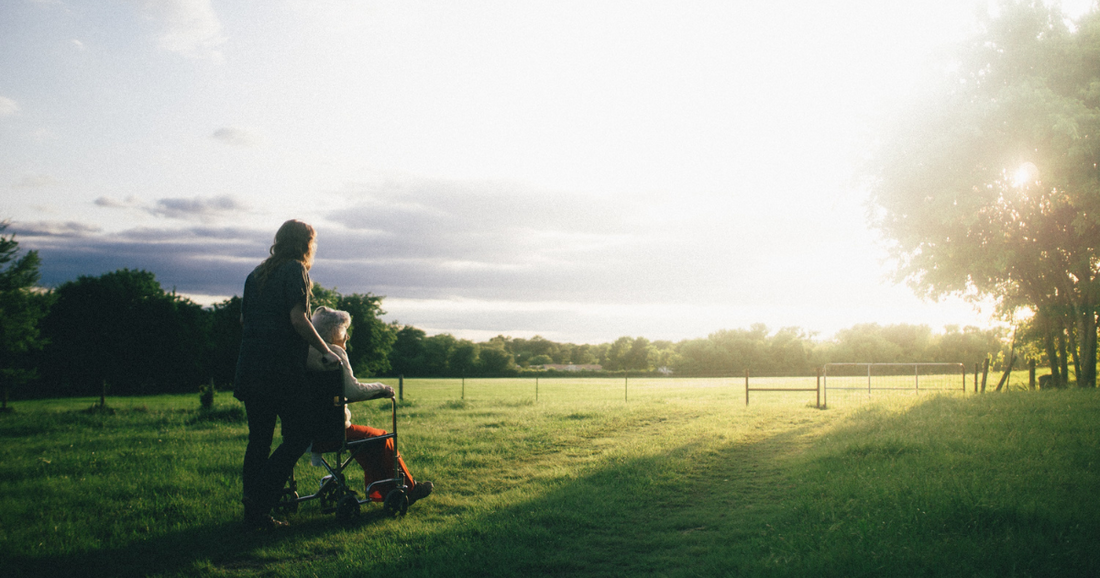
(264,474)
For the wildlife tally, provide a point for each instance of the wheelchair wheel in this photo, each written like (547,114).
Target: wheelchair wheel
(330,493)
(348,508)
(288,502)
(396,503)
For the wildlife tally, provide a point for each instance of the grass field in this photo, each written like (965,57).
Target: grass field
(659,477)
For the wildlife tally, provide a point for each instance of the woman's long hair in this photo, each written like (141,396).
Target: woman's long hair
(294,241)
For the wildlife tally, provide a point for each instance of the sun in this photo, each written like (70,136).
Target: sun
(1026,175)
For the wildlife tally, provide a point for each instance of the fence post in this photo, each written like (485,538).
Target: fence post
(401,387)
(1031,374)
(536,388)
(985,372)
(817,370)
(975,377)
(746,387)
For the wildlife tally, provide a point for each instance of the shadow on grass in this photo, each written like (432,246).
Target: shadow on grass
(860,507)
(631,516)
(229,546)
(958,495)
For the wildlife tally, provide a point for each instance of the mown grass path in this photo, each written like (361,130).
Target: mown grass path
(681,480)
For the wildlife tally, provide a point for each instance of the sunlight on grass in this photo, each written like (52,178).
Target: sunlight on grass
(676,477)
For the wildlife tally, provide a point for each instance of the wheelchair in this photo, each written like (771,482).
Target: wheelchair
(327,401)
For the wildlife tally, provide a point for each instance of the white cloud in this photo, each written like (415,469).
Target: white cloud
(113,203)
(197,207)
(203,209)
(35,182)
(8,106)
(42,135)
(191,28)
(56,229)
(237,136)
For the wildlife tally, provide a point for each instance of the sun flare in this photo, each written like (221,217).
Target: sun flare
(1026,175)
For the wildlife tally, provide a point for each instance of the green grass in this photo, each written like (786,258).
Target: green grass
(660,477)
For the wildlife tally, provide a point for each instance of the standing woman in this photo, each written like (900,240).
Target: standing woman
(270,378)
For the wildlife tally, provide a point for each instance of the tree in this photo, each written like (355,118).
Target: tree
(788,352)
(866,343)
(615,357)
(123,329)
(438,350)
(464,358)
(989,186)
(971,345)
(21,308)
(407,356)
(585,354)
(664,356)
(495,361)
(225,340)
(540,360)
(637,358)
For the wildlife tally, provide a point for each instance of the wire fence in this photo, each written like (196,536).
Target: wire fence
(809,390)
(883,377)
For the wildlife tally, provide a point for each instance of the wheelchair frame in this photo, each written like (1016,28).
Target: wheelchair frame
(333,493)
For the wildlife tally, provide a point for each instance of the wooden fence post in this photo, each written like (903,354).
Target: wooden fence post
(818,371)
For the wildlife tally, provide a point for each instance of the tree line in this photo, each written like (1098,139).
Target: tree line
(122,333)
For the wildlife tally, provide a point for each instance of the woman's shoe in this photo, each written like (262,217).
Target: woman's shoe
(264,522)
(257,519)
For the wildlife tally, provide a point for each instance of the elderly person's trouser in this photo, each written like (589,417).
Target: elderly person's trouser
(377,460)
(265,473)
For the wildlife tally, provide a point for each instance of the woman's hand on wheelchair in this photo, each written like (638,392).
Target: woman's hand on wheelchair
(330,360)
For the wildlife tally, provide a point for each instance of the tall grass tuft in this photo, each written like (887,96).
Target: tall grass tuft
(206,395)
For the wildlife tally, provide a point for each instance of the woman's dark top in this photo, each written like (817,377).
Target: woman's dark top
(272,360)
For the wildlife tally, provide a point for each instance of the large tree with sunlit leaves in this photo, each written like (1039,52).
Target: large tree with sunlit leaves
(988,185)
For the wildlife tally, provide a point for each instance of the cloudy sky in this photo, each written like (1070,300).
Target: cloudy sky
(578,170)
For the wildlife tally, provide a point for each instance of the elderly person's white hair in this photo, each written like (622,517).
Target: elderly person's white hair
(331,324)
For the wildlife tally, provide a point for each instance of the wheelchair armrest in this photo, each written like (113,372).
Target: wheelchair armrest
(363,442)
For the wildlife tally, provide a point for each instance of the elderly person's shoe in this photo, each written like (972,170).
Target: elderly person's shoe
(420,490)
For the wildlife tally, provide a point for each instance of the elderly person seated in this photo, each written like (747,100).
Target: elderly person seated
(376,460)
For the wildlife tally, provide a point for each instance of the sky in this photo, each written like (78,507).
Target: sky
(579,170)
